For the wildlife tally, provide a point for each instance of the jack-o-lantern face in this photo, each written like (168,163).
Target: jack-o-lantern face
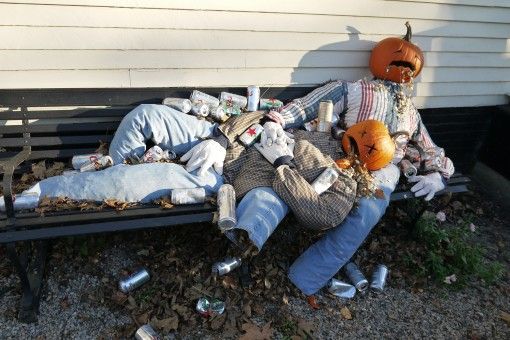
(371,141)
(396,59)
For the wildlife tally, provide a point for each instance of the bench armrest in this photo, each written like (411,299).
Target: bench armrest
(7,167)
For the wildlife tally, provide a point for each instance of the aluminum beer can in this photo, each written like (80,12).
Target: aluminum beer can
(226,266)
(81,160)
(253,98)
(270,104)
(233,99)
(379,278)
(180,104)
(408,169)
(325,116)
(155,154)
(356,276)
(226,201)
(325,180)
(249,136)
(99,164)
(198,97)
(134,280)
(219,114)
(200,110)
(146,332)
(231,110)
(341,289)
(188,196)
(21,202)
(210,307)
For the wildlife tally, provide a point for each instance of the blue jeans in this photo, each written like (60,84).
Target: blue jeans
(167,128)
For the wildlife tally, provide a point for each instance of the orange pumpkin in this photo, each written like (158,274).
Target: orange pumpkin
(371,141)
(396,59)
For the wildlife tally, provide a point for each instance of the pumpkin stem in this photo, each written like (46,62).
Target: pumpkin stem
(409,33)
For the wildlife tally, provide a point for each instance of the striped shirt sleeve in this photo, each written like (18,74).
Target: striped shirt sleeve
(305,109)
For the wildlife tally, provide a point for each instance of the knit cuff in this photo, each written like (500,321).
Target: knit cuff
(284,160)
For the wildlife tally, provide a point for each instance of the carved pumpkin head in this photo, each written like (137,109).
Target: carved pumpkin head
(371,141)
(396,59)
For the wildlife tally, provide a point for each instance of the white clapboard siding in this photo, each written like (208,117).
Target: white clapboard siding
(175,43)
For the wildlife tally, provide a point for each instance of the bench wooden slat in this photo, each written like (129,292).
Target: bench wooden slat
(72,113)
(51,141)
(60,128)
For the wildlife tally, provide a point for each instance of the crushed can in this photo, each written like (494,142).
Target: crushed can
(379,277)
(219,114)
(99,164)
(156,154)
(408,169)
(311,125)
(180,104)
(325,180)
(356,276)
(226,202)
(231,99)
(81,160)
(231,110)
(188,196)
(210,306)
(325,116)
(253,98)
(249,137)
(134,280)
(198,97)
(226,266)
(200,110)
(341,289)
(270,104)
(22,202)
(146,332)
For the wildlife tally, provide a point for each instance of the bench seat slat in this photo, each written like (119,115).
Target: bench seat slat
(61,128)
(51,141)
(115,112)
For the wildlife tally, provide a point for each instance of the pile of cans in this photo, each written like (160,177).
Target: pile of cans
(358,281)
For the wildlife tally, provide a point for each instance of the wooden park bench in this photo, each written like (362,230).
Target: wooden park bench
(73,121)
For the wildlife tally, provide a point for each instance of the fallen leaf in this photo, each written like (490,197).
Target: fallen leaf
(253,332)
(39,169)
(64,303)
(306,329)
(142,319)
(164,202)
(166,325)
(218,321)
(247,309)
(312,301)
(346,313)
(505,317)
(379,193)
(119,297)
(103,148)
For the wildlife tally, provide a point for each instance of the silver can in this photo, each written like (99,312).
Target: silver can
(253,98)
(231,99)
(156,154)
(210,306)
(341,289)
(270,104)
(146,332)
(379,277)
(325,180)
(325,116)
(226,266)
(21,202)
(249,136)
(408,169)
(198,97)
(200,110)
(188,196)
(231,110)
(226,201)
(356,276)
(134,280)
(99,164)
(219,114)
(180,104)
(81,160)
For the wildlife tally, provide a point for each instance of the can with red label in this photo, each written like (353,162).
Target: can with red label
(198,97)
(231,99)
(156,154)
(249,137)
(253,98)
(81,160)
(99,164)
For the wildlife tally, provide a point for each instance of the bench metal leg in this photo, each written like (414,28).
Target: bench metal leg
(30,264)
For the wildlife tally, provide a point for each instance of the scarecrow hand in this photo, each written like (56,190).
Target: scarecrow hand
(277,153)
(274,133)
(205,155)
(427,185)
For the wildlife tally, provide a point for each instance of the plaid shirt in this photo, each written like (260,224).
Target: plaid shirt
(380,100)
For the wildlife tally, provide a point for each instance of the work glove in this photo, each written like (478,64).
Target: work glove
(283,152)
(205,155)
(276,117)
(427,185)
(274,133)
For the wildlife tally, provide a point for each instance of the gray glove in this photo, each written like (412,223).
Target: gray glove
(277,153)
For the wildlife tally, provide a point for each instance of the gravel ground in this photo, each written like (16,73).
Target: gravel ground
(78,298)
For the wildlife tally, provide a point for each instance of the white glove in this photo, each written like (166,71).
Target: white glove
(276,117)
(208,153)
(274,133)
(275,150)
(427,185)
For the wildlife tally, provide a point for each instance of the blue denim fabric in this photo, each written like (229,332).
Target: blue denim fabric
(259,213)
(319,263)
(168,128)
